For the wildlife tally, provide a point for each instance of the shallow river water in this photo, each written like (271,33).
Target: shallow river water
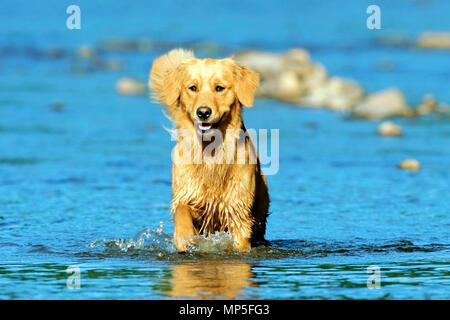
(85,188)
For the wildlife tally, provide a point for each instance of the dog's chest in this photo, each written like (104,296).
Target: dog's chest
(214,188)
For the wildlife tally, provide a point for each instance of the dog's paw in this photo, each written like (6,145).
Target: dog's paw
(183,242)
(242,245)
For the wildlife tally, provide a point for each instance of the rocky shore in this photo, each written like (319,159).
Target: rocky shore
(293,77)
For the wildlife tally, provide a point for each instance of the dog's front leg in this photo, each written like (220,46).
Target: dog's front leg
(183,228)
(241,243)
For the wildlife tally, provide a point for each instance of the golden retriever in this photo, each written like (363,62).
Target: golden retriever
(204,98)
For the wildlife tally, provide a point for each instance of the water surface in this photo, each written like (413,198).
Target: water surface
(88,184)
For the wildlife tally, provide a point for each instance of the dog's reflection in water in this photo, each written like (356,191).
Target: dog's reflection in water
(216,279)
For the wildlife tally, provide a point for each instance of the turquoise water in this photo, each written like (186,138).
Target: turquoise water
(88,184)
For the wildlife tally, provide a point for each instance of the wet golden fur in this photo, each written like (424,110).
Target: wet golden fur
(212,196)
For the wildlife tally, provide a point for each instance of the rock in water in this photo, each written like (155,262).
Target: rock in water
(85,52)
(389,128)
(436,40)
(428,105)
(292,77)
(289,87)
(130,86)
(266,64)
(57,106)
(383,104)
(409,164)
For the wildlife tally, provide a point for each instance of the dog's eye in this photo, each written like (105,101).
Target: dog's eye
(193,88)
(219,88)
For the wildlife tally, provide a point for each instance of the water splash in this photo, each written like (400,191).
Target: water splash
(156,242)
(152,241)
(219,242)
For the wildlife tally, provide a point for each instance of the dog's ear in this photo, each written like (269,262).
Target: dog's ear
(172,86)
(166,76)
(165,82)
(246,85)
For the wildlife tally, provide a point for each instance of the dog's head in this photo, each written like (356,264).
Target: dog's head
(204,92)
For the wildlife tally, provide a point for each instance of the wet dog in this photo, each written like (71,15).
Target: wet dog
(224,189)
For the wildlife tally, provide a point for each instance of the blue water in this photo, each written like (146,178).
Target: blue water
(88,184)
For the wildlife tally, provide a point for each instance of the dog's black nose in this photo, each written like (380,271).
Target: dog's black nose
(203,113)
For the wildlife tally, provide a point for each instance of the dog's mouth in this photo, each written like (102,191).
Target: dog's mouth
(206,127)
